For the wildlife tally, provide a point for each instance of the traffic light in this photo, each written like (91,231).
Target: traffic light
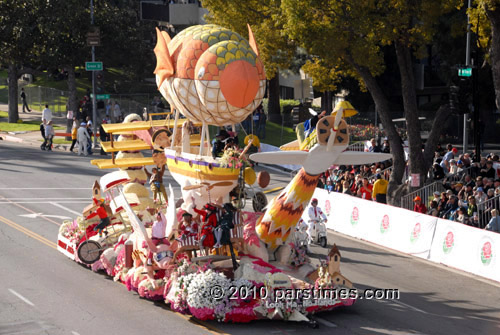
(461,96)
(100,81)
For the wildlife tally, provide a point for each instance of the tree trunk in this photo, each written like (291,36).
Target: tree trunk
(398,157)
(13,101)
(328,102)
(72,104)
(438,125)
(408,90)
(420,161)
(273,94)
(72,99)
(494,17)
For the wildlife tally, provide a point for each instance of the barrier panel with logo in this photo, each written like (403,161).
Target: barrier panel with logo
(389,226)
(442,241)
(467,248)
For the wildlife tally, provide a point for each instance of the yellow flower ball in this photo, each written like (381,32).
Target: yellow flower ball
(256,141)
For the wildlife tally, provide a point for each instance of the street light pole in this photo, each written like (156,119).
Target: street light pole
(467,64)
(94,109)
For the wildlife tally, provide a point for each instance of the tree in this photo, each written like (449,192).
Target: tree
(65,39)
(19,31)
(351,35)
(486,20)
(276,51)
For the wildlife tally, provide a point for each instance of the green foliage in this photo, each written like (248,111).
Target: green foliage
(480,22)
(285,105)
(22,126)
(276,51)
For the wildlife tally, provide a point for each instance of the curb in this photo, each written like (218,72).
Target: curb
(9,138)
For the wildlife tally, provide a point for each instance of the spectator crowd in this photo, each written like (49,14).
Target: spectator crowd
(470,187)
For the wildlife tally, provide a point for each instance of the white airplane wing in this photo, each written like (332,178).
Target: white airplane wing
(294,157)
(360,157)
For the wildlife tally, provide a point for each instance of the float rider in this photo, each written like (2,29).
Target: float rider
(103,215)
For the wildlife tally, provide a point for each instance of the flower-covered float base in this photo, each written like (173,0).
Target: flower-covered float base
(212,290)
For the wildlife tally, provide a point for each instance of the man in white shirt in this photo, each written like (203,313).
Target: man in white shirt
(83,139)
(46,115)
(315,214)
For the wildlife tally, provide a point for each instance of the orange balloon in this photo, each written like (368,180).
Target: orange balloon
(239,83)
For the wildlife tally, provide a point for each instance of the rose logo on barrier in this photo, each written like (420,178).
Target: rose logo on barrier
(449,242)
(486,253)
(415,234)
(384,227)
(355,216)
(328,207)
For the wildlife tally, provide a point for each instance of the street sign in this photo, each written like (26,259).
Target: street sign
(93,41)
(93,66)
(465,72)
(100,96)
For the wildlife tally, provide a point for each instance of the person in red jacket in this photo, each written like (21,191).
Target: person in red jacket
(419,206)
(209,222)
(103,215)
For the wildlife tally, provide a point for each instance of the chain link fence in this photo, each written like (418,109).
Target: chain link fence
(37,97)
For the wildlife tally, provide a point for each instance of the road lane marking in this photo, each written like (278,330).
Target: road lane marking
(65,208)
(21,297)
(74,333)
(42,202)
(28,232)
(36,215)
(28,210)
(49,199)
(408,306)
(45,188)
(273,189)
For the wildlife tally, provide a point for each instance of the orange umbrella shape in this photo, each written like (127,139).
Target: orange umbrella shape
(346,107)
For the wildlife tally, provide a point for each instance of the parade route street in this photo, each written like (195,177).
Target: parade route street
(44,292)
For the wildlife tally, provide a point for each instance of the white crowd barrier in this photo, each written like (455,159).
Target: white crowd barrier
(442,241)
(467,248)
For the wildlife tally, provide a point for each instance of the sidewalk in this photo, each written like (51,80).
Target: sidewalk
(32,138)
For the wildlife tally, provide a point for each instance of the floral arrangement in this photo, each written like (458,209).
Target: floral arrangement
(152,291)
(74,230)
(361,132)
(299,255)
(203,302)
(232,158)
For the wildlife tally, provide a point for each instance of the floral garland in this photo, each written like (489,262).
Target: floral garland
(232,158)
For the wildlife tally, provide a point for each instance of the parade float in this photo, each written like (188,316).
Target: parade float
(201,254)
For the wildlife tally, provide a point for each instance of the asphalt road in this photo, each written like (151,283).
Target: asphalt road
(43,292)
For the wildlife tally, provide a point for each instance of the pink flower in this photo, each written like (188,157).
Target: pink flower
(385,222)
(449,239)
(487,250)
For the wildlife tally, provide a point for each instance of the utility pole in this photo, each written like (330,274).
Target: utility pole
(467,64)
(94,108)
